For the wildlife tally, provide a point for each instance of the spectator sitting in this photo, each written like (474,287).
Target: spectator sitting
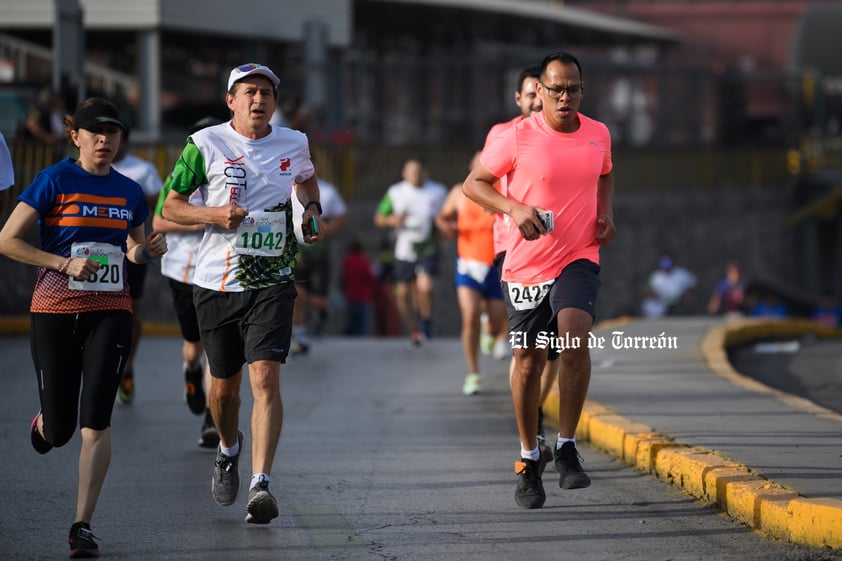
(651,306)
(827,312)
(672,285)
(728,297)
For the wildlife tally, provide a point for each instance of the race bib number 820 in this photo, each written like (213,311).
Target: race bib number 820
(109,276)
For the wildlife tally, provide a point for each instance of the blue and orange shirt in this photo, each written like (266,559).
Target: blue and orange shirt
(77,206)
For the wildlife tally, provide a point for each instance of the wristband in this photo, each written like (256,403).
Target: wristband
(65,265)
(318,206)
(149,258)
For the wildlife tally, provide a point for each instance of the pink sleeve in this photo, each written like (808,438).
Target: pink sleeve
(607,162)
(493,132)
(498,156)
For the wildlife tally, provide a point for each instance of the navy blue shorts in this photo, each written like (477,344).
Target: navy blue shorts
(485,281)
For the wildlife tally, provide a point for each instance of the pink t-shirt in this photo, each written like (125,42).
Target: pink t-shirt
(556,171)
(502,224)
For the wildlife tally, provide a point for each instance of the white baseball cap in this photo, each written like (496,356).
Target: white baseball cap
(250,69)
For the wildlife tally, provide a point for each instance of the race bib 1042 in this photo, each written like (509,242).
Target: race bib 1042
(261,233)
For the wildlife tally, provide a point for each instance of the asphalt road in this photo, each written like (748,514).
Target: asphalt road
(381,458)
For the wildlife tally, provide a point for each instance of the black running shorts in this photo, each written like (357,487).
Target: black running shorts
(185,310)
(244,327)
(136,273)
(79,359)
(576,287)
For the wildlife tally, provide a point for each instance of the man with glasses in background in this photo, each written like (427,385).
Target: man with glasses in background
(247,171)
(559,195)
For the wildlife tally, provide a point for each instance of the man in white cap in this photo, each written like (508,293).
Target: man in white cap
(246,170)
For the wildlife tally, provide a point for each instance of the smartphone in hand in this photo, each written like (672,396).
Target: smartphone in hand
(546,218)
(311,227)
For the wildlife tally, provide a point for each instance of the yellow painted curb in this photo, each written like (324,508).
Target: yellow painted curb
(733,488)
(19,325)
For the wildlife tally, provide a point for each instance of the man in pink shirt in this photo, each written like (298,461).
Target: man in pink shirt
(529,103)
(558,161)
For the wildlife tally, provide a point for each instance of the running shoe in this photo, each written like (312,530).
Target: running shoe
(82,542)
(472,384)
(262,506)
(529,492)
(567,464)
(300,348)
(38,442)
(194,392)
(486,343)
(225,484)
(208,437)
(416,338)
(501,350)
(126,390)
(426,327)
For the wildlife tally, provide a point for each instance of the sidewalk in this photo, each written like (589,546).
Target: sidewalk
(768,459)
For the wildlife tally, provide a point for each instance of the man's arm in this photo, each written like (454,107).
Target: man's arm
(177,209)
(605,209)
(385,217)
(446,219)
(308,192)
(479,187)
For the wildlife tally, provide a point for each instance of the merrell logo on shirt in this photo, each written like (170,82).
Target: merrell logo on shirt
(285,163)
(107,212)
(90,210)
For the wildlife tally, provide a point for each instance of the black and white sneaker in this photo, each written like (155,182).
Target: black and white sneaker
(225,484)
(81,540)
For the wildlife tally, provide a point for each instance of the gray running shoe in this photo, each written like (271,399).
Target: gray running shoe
(262,506)
(225,484)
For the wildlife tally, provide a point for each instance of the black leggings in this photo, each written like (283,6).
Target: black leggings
(74,352)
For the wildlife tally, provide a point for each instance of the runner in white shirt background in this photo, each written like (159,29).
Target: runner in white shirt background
(146,175)
(410,207)
(179,266)
(313,271)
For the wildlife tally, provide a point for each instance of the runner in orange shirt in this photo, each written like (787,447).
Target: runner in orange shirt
(559,163)
(477,281)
